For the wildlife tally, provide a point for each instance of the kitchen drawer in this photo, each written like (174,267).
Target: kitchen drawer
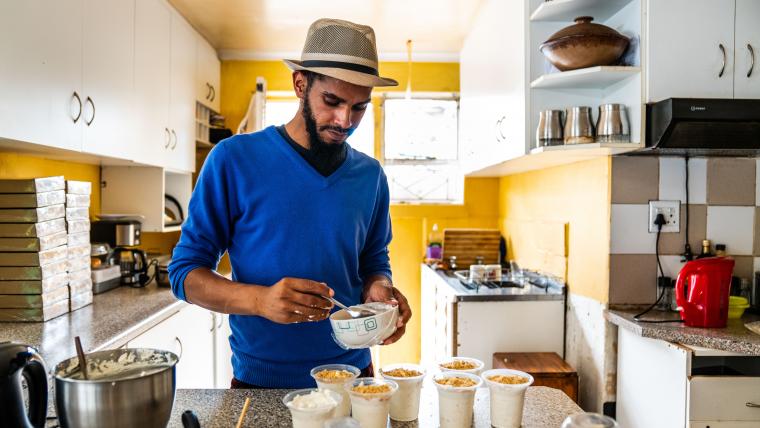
(724,398)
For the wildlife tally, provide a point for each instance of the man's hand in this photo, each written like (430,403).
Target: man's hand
(380,289)
(293,300)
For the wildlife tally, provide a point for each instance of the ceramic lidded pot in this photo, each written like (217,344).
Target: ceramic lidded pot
(584,44)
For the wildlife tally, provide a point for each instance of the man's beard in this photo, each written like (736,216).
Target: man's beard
(320,149)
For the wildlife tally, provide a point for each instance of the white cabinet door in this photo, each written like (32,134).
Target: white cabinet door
(187,333)
(152,80)
(493,87)
(209,77)
(222,352)
(747,75)
(40,70)
(685,57)
(108,81)
(182,106)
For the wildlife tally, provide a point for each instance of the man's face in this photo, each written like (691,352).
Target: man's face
(332,109)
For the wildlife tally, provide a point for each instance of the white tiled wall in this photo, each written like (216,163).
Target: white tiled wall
(673,176)
(731,226)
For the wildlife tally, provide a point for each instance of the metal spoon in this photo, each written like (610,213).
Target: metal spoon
(354,313)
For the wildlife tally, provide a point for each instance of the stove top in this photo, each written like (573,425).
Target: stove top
(530,286)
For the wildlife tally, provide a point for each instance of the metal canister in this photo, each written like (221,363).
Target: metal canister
(612,125)
(578,127)
(549,131)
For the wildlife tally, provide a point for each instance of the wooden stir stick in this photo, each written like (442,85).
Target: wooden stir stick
(242,414)
(82,360)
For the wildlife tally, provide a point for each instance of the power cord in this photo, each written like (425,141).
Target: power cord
(687,254)
(659,221)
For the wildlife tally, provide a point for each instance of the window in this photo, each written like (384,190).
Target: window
(421,150)
(280,112)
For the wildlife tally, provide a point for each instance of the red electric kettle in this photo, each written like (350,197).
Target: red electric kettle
(702,290)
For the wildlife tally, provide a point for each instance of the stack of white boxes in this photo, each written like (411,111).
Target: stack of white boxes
(78,228)
(33,249)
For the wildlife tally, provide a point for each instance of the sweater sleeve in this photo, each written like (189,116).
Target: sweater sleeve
(374,258)
(206,231)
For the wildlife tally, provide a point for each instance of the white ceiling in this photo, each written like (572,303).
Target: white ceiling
(261,29)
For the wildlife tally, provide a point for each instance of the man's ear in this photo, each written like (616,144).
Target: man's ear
(299,84)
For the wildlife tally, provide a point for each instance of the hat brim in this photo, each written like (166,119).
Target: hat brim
(350,76)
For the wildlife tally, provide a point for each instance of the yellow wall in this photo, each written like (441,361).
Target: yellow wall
(411,223)
(13,165)
(577,194)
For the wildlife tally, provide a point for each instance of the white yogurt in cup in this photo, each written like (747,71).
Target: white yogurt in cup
(455,402)
(328,377)
(507,399)
(405,403)
(369,407)
(311,408)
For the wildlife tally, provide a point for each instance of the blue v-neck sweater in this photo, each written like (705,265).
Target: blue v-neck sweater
(277,217)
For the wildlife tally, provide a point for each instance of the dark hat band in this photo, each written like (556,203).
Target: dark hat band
(339,64)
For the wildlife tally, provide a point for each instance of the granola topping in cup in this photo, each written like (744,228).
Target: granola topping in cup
(372,389)
(334,375)
(459,365)
(508,380)
(457,382)
(400,372)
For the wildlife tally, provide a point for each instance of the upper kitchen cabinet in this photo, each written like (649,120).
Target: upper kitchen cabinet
(152,81)
(511,82)
(164,87)
(493,86)
(747,49)
(41,72)
(691,48)
(182,95)
(208,75)
(108,78)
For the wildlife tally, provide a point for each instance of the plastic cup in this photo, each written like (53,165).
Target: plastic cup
(455,403)
(371,410)
(337,386)
(507,400)
(311,417)
(476,370)
(405,403)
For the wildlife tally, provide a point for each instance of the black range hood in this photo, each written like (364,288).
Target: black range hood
(703,127)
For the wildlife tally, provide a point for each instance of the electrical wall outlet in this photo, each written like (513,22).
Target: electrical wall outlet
(672,212)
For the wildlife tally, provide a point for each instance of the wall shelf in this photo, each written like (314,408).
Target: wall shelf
(568,10)
(585,78)
(547,157)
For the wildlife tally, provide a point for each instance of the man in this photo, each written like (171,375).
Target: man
(301,214)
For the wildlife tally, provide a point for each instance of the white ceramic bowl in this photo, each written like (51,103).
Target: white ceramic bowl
(476,371)
(357,333)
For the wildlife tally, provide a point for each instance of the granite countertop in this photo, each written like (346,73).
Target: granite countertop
(463,294)
(114,318)
(733,338)
(544,407)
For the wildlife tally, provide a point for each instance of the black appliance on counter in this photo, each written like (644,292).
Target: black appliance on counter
(702,127)
(123,233)
(21,362)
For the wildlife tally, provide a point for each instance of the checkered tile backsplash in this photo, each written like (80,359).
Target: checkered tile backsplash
(724,207)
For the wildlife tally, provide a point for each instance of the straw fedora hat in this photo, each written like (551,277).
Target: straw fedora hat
(343,50)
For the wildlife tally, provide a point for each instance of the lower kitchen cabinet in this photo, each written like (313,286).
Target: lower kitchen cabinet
(222,352)
(190,334)
(667,385)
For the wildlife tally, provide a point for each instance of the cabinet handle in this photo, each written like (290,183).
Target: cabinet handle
(181,348)
(92,103)
(498,132)
(213,93)
(79,101)
(752,57)
(213,322)
(175,139)
(208,91)
(168,138)
(751,404)
(221,321)
(723,66)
